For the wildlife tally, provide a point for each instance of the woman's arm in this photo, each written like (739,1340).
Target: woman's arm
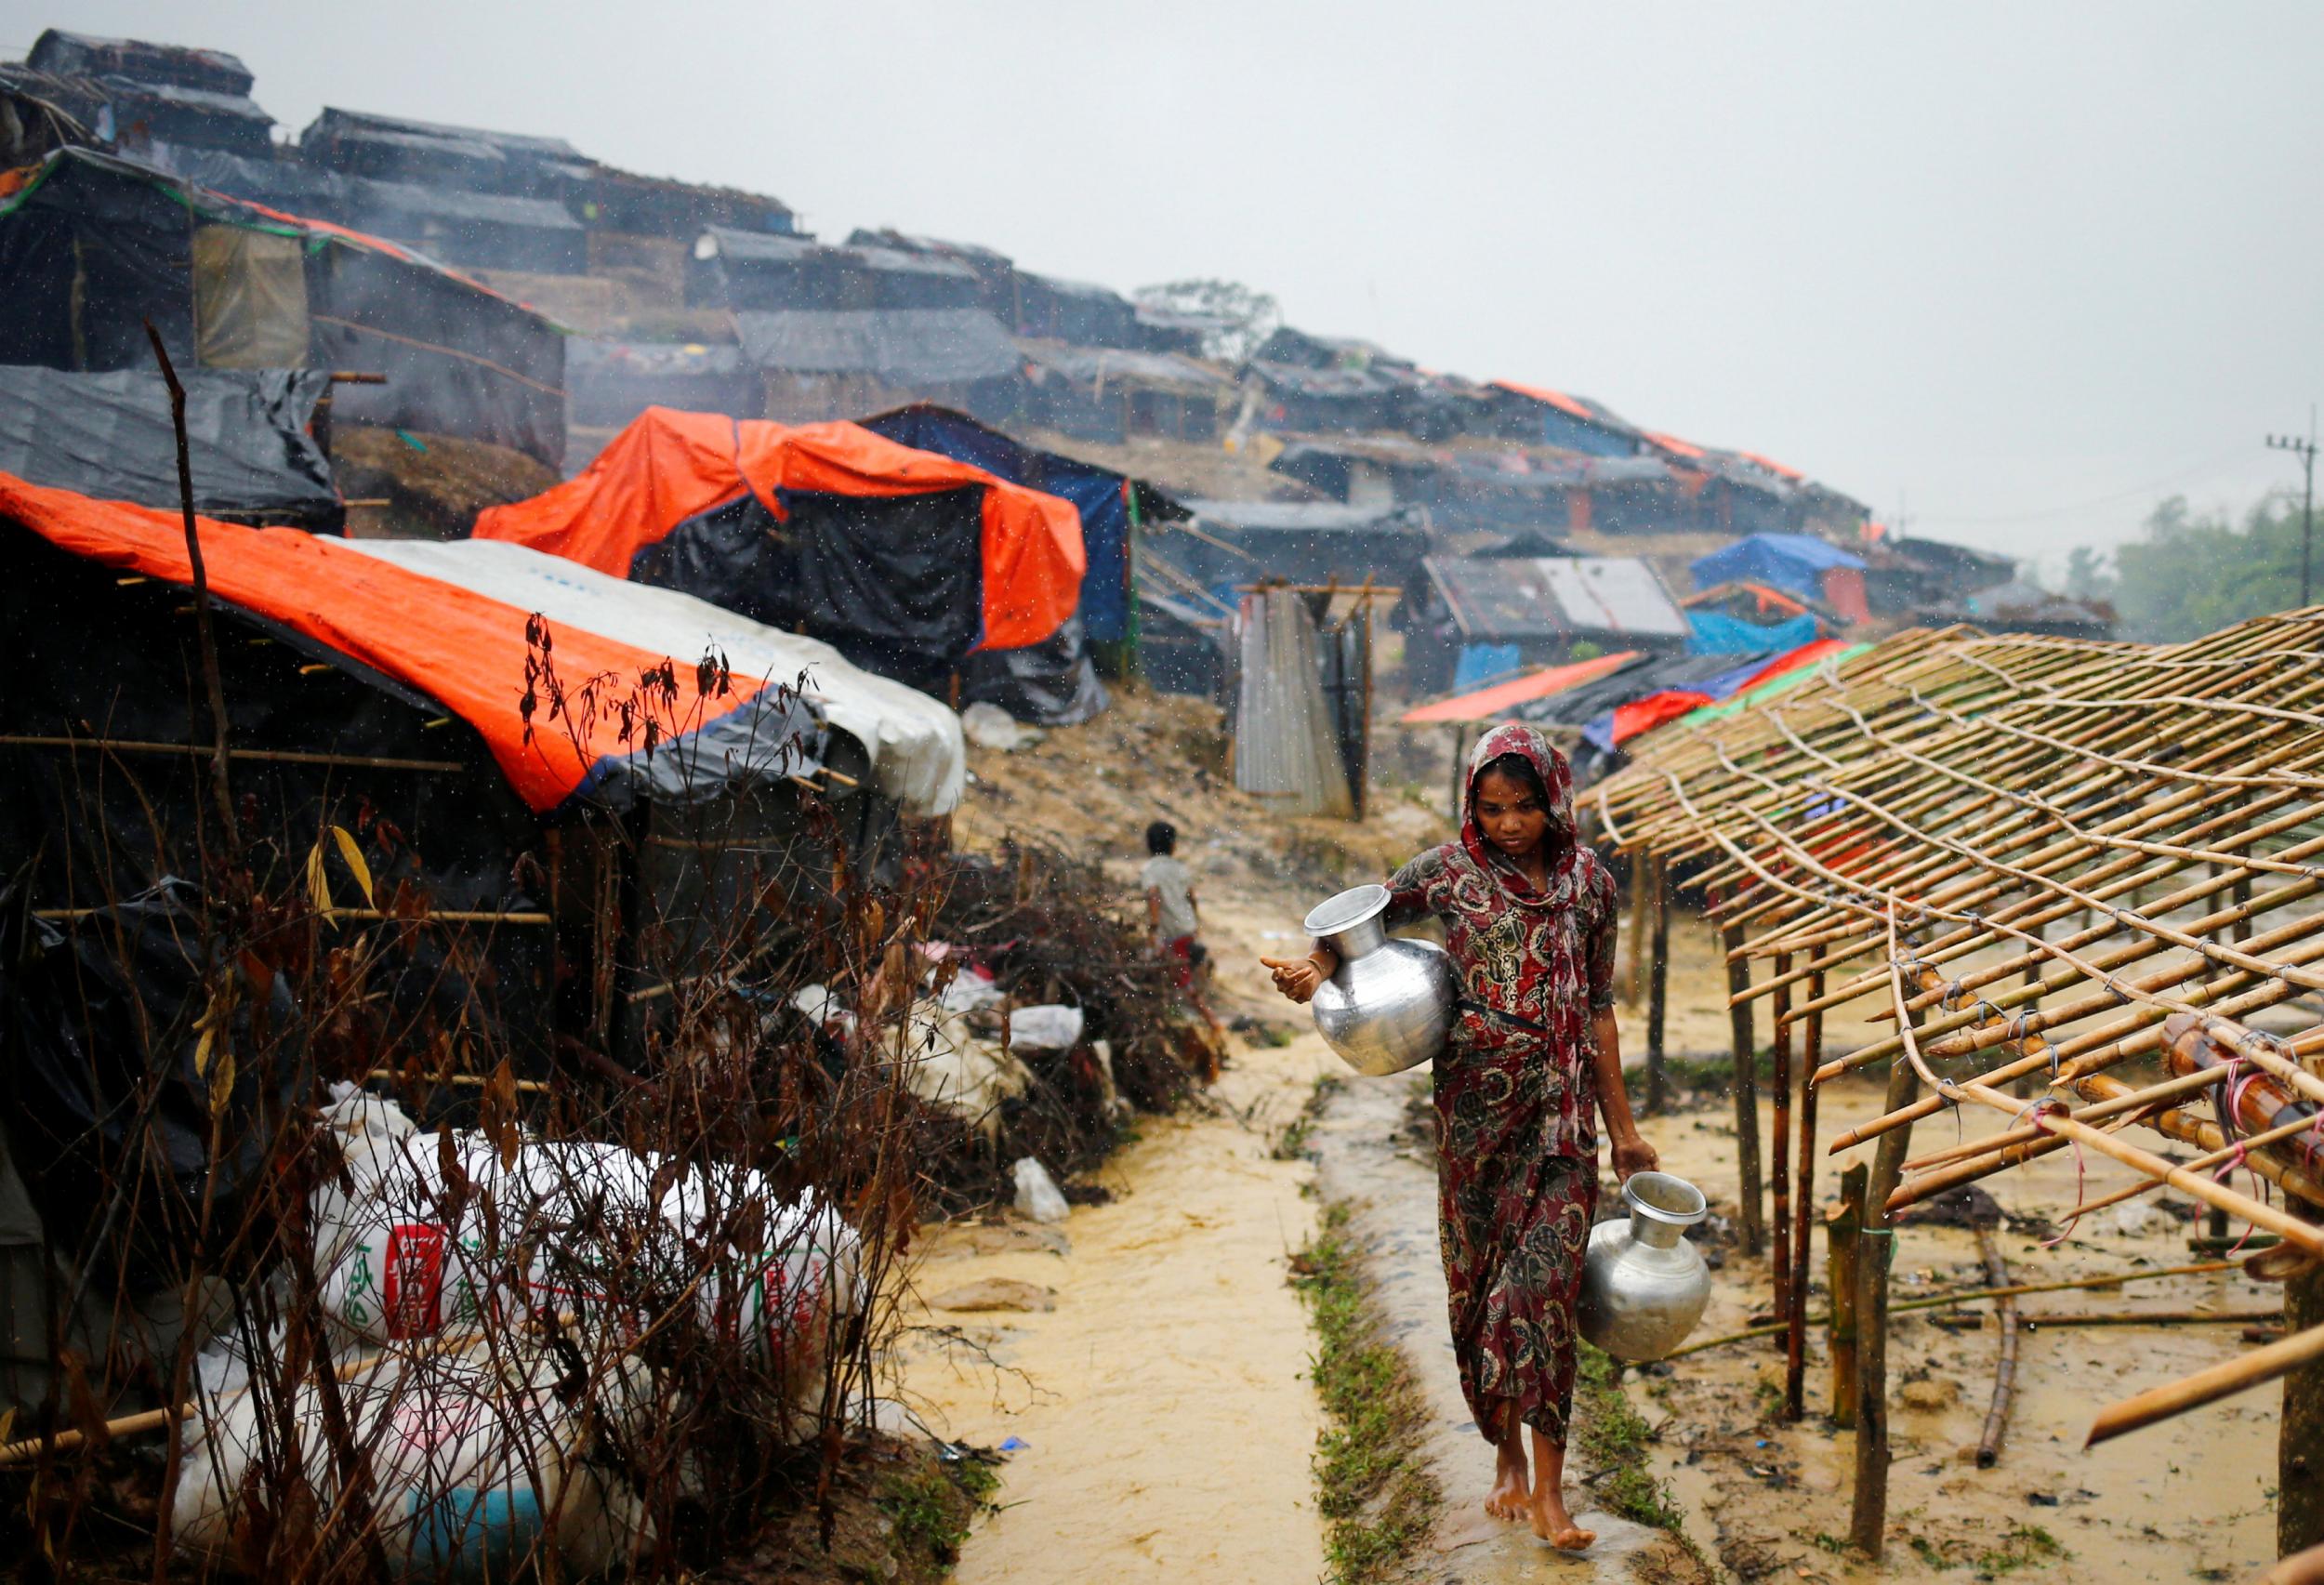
(1632,1154)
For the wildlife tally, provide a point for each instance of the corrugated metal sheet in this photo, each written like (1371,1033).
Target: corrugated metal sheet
(1509,598)
(902,346)
(1286,744)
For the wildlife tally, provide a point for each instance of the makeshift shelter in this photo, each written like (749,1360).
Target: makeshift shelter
(1535,413)
(484,230)
(110,436)
(138,96)
(1109,395)
(397,148)
(1076,313)
(904,559)
(1111,504)
(426,653)
(818,363)
(1794,563)
(1053,683)
(1555,600)
(94,246)
(1226,543)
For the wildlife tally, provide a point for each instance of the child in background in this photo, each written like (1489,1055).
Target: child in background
(1171,915)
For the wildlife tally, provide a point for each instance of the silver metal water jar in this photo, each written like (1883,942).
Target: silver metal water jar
(1389,1005)
(1642,1284)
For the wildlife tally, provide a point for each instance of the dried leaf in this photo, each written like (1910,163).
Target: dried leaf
(201,1049)
(353,852)
(222,1082)
(318,884)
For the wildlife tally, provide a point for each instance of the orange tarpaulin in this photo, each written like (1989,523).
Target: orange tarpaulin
(668,466)
(1487,703)
(462,649)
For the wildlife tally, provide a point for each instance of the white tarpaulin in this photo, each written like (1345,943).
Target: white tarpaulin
(913,741)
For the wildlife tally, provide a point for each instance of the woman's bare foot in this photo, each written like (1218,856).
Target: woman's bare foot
(1550,1521)
(1553,1524)
(1511,1496)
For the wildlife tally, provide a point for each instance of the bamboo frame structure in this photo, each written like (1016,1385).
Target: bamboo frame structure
(2038,860)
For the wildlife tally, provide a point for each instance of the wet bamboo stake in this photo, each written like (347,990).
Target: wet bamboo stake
(1877,1244)
(1641,864)
(2224,1379)
(1795,1339)
(1779,1147)
(1841,1230)
(2005,1367)
(2299,1434)
(1658,990)
(1745,1085)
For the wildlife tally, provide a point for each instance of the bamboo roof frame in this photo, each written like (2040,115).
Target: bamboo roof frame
(2043,857)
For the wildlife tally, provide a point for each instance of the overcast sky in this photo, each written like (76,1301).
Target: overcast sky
(2021,270)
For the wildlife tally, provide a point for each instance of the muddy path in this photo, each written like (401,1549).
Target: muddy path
(1163,1407)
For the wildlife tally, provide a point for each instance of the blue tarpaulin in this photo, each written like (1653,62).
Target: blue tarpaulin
(1718,634)
(1793,562)
(1481,664)
(1101,496)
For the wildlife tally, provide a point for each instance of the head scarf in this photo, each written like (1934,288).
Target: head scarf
(1561,842)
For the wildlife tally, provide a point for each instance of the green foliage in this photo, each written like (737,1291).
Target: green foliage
(931,1505)
(2191,574)
(1612,1436)
(1373,1487)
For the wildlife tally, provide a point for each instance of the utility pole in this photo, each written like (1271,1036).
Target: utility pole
(2305,451)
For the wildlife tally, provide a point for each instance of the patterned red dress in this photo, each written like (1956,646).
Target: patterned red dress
(1517,1166)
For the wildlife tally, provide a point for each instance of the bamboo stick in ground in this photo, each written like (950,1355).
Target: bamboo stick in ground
(2005,1368)
(1840,1242)
(1658,990)
(1795,1339)
(1746,1082)
(2221,1380)
(1779,1145)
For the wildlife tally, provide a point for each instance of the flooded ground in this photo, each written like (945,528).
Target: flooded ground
(1163,1405)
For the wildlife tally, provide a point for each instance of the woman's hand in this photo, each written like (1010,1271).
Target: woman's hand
(1300,978)
(1633,1154)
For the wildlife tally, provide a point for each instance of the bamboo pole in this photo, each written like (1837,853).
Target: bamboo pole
(1779,1147)
(1795,1339)
(2299,1428)
(1953,1300)
(1657,992)
(2224,1379)
(1841,1230)
(2005,1366)
(1745,1087)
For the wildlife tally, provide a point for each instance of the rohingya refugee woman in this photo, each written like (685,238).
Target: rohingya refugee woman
(1529,918)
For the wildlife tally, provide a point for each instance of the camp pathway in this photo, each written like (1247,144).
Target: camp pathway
(1164,1405)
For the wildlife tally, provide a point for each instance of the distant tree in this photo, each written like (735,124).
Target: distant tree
(2190,573)
(2086,576)
(1249,316)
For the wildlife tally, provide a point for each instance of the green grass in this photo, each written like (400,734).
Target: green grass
(2025,1546)
(1612,1436)
(933,1505)
(1373,1489)
(1292,1142)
